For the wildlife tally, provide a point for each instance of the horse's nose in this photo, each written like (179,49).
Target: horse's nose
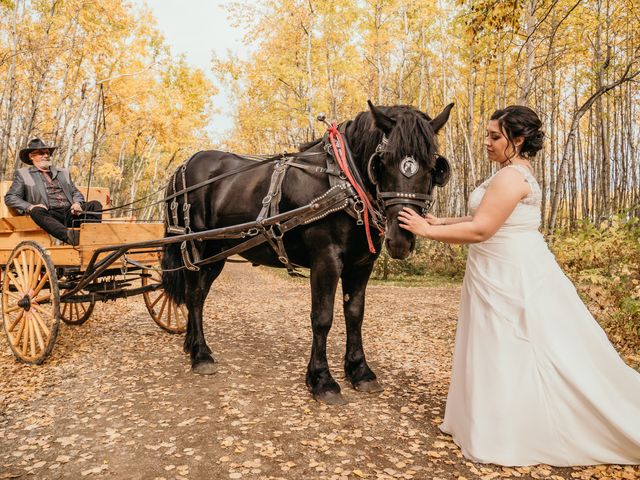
(400,248)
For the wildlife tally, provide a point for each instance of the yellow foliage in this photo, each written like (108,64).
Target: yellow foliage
(97,79)
(106,173)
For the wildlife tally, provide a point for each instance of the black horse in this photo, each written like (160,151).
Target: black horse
(334,247)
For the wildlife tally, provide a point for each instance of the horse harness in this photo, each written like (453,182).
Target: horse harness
(340,196)
(408,167)
(337,198)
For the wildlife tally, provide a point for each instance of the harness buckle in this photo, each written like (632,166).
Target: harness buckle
(276,232)
(185,258)
(358,207)
(267,199)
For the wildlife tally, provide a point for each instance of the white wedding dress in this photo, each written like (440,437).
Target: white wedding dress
(535,379)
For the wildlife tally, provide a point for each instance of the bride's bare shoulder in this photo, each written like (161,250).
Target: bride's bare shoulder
(510,179)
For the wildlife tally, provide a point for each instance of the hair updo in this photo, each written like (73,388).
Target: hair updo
(520,121)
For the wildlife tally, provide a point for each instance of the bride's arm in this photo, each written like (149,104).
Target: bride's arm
(451,220)
(504,192)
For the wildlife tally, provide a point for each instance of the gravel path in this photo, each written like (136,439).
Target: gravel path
(117,399)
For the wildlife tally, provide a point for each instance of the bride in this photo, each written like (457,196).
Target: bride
(535,379)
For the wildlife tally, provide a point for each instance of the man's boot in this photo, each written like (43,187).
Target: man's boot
(73,237)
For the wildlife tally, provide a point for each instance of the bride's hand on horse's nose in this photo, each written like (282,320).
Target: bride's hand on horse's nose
(410,220)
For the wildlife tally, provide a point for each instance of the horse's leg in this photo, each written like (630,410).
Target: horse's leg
(324,282)
(197,288)
(354,284)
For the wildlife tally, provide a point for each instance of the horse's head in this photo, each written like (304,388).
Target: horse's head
(404,167)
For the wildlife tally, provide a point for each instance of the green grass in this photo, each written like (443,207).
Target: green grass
(429,280)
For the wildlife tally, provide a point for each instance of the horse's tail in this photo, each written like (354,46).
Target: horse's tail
(173,277)
(173,274)
(173,280)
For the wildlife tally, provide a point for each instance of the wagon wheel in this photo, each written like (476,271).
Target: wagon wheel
(30,303)
(163,310)
(76,313)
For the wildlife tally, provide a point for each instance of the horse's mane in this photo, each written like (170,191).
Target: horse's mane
(412,135)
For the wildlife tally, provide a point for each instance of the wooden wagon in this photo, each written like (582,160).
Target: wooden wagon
(44,281)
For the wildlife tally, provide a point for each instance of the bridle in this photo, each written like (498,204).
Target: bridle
(424,201)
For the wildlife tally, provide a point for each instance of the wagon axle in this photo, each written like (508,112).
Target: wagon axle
(25,302)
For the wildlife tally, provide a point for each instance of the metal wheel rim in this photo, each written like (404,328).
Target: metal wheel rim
(166,314)
(73,313)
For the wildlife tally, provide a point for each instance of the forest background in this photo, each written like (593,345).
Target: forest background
(98,80)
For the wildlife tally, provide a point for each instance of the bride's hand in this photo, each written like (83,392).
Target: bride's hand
(410,220)
(433,220)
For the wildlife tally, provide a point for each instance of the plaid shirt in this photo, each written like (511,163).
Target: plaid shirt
(57,198)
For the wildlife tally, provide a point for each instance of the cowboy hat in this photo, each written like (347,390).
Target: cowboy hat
(35,144)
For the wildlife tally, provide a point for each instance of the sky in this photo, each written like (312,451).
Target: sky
(197,28)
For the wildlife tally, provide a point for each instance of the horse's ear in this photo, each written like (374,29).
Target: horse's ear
(438,122)
(442,172)
(381,121)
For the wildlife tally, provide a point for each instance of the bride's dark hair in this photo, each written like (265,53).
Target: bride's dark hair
(520,121)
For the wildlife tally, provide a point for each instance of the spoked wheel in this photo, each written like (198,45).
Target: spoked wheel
(30,303)
(76,313)
(163,310)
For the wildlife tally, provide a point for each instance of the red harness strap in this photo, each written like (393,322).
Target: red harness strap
(337,143)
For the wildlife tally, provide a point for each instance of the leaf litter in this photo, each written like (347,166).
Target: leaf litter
(117,399)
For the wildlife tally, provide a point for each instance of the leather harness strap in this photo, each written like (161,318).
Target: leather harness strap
(340,196)
(320,206)
(270,208)
(189,261)
(273,234)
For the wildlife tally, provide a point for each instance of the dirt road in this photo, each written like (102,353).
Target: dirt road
(117,398)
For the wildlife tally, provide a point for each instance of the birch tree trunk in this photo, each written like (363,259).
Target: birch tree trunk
(527,77)
(7,124)
(309,89)
(628,75)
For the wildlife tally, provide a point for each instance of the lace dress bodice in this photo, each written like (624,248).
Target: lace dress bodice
(526,215)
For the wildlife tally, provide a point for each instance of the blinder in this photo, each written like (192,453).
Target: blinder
(380,149)
(443,171)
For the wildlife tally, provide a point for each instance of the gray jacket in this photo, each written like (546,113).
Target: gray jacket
(28,188)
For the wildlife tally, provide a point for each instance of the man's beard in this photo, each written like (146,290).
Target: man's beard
(43,165)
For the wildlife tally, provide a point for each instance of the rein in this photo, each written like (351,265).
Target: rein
(340,151)
(259,163)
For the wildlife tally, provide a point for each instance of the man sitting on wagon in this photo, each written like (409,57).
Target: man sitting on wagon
(47,194)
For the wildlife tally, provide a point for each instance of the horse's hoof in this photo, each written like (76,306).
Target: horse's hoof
(205,368)
(330,398)
(369,386)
